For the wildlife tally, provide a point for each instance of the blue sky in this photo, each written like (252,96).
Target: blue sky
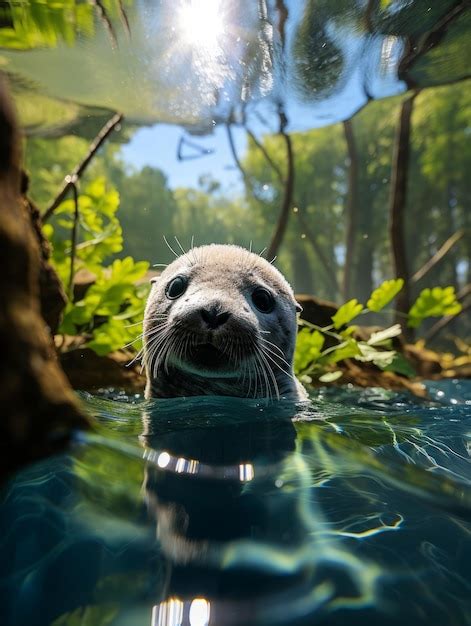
(157,146)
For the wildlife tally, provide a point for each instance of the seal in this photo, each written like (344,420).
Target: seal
(221,320)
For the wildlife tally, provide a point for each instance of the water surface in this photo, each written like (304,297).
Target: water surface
(352,509)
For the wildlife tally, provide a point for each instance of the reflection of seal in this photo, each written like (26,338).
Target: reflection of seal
(220,320)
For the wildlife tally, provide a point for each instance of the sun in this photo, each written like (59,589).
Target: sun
(201,23)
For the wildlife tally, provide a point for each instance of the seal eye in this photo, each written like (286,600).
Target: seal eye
(263,300)
(176,287)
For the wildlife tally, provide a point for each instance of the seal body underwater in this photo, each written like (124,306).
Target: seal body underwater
(221,320)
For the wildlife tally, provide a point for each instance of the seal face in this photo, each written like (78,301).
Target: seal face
(220,320)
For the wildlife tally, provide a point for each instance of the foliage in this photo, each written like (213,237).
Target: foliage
(433,303)
(384,294)
(39,24)
(439,192)
(346,313)
(312,360)
(109,314)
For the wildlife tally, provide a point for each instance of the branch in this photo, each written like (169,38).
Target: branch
(416,47)
(74,242)
(200,152)
(235,156)
(71,179)
(107,22)
(368,16)
(283,18)
(397,203)
(351,207)
(124,19)
(306,229)
(438,256)
(268,158)
(282,223)
(248,180)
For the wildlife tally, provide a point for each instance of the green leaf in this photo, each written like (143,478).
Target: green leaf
(384,294)
(369,354)
(344,350)
(308,349)
(330,377)
(382,336)
(346,313)
(433,303)
(400,365)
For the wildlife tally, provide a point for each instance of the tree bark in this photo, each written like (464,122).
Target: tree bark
(351,208)
(282,222)
(397,204)
(39,409)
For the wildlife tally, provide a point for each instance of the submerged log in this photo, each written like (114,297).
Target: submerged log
(39,409)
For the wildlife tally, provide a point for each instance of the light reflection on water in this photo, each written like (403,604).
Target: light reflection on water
(201,62)
(353,509)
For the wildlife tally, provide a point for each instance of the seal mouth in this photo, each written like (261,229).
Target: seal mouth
(208,356)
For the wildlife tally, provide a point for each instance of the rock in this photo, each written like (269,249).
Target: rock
(315,310)
(88,371)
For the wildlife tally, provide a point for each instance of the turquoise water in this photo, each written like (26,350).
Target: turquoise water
(352,509)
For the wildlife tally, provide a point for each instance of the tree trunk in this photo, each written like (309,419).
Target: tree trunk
(282,223)
(39,409)
(351,209)
(397,204)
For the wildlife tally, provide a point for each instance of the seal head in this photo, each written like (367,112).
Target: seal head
(220,320)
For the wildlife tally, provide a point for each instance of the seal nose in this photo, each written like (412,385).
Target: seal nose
(213,317)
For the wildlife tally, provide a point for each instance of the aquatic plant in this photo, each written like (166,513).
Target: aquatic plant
(313,361)
(108,315)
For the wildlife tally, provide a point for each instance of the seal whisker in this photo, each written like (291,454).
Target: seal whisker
(255,371)
(278,365)
(273,345)
(199,335)
(271,373)
(151,356)
(272,356)
(154,349)
(170,247)
(179,245)
(258,375)
(136,357)
(140,338)
(153,334)
(150,319)
(277,356)
(264,372)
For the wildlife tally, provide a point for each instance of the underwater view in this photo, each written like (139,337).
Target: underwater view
(235,241)
(352,508)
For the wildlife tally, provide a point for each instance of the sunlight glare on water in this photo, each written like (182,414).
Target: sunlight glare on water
(201,23)
(222,512)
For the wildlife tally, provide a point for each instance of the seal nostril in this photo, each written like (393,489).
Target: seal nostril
(213,318)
